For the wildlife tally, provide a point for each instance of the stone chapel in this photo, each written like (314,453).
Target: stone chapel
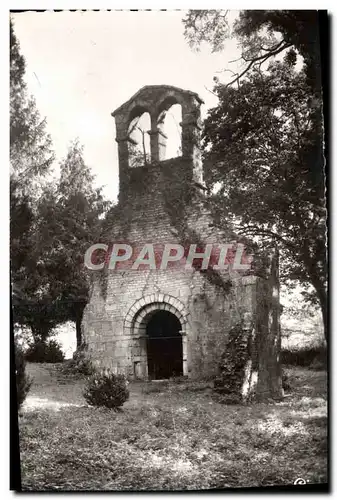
(159,323)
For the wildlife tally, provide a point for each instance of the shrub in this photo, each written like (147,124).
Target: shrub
(286,382)
(229,381)
(23,381)
(44,352)
(80,365)
(318,364)
(105,388)
(303,357)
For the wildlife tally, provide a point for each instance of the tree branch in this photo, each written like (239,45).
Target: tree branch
(263,58)
(255,230)
(211,91)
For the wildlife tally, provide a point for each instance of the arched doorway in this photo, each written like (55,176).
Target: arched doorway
(164,345)
(135,325)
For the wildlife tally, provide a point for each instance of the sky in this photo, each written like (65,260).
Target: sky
(81,66)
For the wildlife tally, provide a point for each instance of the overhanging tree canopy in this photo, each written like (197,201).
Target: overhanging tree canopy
(263,148)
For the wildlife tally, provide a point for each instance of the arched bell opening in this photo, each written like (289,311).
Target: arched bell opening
(139,149)
(169,124)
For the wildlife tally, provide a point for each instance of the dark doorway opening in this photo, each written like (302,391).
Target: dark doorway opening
(164,346)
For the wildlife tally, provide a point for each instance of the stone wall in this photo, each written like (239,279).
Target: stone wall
(206,316)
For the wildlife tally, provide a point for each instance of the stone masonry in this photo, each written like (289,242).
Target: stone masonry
(162,202)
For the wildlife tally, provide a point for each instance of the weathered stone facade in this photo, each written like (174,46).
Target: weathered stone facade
(163,202)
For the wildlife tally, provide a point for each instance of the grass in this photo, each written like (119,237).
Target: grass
(170,436)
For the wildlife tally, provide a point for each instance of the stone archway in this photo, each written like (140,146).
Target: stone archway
(142,318)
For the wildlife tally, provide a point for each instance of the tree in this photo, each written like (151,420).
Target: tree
(263,147)
(31,159)
(31,154)
(23,380)
(52,225)
(262,34)
(69,222)
(286,201)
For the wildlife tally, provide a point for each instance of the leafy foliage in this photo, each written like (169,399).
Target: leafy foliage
(80,364)
(210,26)
(69,222)
(299,32)
(31,158)
(23,381)
(21,223)
(316,356)
(263,142)
(31,155)
(319,363)
(232,366)
(52,224)
(263,147)
(262,34)
(44,352)
(286,386)
(107,389)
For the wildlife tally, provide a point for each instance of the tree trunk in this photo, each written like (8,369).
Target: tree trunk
(79,329)
(323,301)
(39,334)
(269,380)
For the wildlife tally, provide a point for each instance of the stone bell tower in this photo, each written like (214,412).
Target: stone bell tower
(156,99)
(154,322)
